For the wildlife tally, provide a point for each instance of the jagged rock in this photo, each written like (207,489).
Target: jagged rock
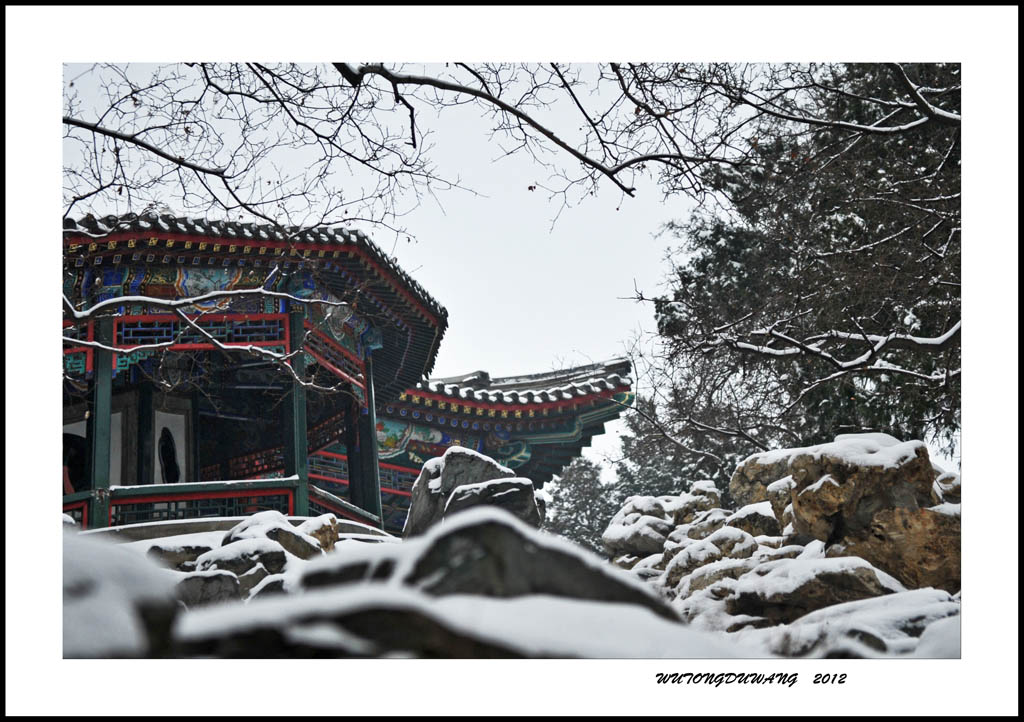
(515,496)
(240,556)
(323,528)
(497,556)
(789,551)
(920,547)
(649,567)
(365,565)
(889,624)
(251,578)
(209,587)
(268,586)
(749,482)
(779,496)
(540,498)
(294,542)
(755,519)
(686,561)
(707,523)
(625,561)
(884,472)
(703,496)
(275,526)
(947,488)
(725,542)
(784,590)
(176,556)
(439,477)
(840,486)
(116,603)
(734,543)
(709,574)
(640,527)
(488,552)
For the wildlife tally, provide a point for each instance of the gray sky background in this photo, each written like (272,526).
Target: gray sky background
(38,40)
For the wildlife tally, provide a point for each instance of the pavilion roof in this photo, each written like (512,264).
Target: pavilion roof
(415,321)
(559,385)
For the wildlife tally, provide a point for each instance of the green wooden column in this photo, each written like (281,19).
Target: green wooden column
(368,447)
(98,425)
(296,460)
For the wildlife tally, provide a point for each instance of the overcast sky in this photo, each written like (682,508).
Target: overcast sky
(527,292)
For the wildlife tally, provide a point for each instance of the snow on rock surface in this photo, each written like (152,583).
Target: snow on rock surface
(854,557)
(379,619)
(515,495)
(439,477)
(116,603)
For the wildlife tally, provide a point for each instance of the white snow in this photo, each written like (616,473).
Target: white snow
(481,486)
(940,640)
(782,485)
(872,449)
(816,486)
(102,584)
(763,508)
(784,576)
(534,625)
(242,547)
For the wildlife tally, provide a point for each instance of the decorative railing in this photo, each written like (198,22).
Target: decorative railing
(322,501)
(167,502)
(76,506)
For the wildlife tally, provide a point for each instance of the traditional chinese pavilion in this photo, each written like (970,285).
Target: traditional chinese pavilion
(257,367)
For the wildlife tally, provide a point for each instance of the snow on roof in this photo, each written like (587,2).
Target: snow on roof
(561,384)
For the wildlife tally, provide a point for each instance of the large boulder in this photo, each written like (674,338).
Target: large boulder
(116,602)
(209,587)
(240,556)
(383,620)
(516,496)
(486,552)
(784,590)
(176,556)
(640,527)
(323,528)
(885,471)
(755,519)
(275,526)
(920,547)
(439,477)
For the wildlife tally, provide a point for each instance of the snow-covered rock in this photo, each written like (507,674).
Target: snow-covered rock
(755,519)
(380,620)
(323,528)
(439,477)
(515,495)
(640,527)
(920,547)
(176,555)
(240,556)
(116,603)
(275,526)
(208,587)
(799,553)
(486,552)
